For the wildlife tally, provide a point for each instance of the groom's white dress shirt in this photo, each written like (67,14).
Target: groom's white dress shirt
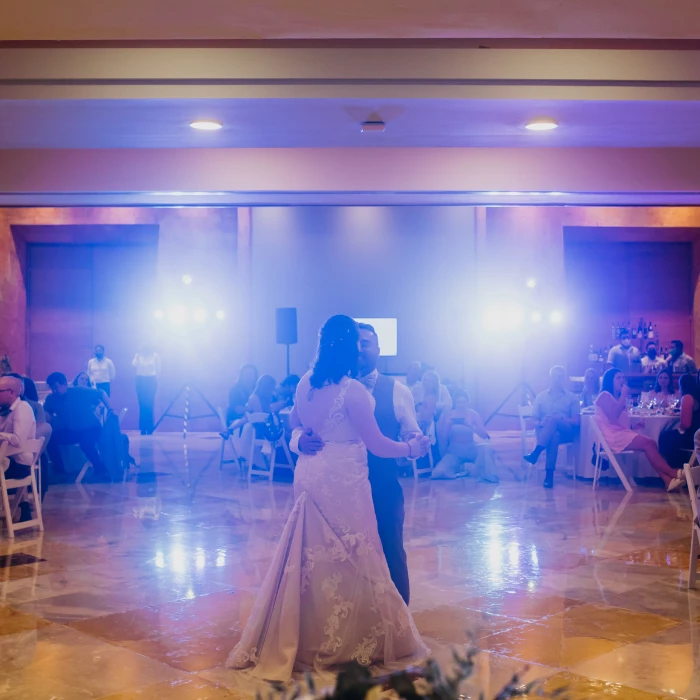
(404,409)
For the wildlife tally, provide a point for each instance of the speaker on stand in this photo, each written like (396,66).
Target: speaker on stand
(286,329)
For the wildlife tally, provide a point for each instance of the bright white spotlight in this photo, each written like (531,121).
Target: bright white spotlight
(177,315)
(158,313)
(503,319)
(536,316)
(556,317)
(220,314)
(199,315)
(187,279)
(531,283)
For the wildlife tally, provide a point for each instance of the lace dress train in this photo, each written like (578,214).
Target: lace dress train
(328,598)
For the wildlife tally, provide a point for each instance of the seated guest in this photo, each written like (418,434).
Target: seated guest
(83,379)
(43,430)
(262,400)
(677,361)
(71,412)
(456,431)
(414,374)
(101,370)
(652,363)
(624,356)
(240,392)
(614,423)
(287,391)
(558,415)
(675,445)
(30,391)
(17,424)
(591,388)
(664,392)
(431,386)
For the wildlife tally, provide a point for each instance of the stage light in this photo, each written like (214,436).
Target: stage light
(158,313)
(220,314)
(206,125)
(536,316)
(199,315)
(531,283)
(177,315)
(556,317)
(187,279)
(503,319)
(542,124)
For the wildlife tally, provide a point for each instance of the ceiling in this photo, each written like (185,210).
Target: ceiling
(308,123)
(41,20)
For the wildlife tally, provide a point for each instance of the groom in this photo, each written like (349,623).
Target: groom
(396,416)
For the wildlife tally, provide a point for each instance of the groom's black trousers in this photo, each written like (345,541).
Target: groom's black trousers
(387,495)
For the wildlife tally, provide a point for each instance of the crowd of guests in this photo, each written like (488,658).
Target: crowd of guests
(556,412)
(442,411)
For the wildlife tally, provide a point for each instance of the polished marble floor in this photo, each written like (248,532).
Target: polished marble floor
(140,590)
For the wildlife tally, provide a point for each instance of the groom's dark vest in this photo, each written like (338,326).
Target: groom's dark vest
(379,468)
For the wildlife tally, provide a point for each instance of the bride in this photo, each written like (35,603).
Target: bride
(328,598)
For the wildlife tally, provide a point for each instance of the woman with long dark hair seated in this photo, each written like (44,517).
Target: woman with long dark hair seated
(614,423)
(664,392)
(676,445)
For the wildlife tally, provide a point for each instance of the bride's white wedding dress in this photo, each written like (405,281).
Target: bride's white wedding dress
(328,598)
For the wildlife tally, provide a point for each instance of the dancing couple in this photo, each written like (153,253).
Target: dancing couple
(337,589)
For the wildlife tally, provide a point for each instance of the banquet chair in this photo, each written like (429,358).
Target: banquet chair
(10,507)
(603,451)
(528,436)
(268,449)
(227,438)
(692,478)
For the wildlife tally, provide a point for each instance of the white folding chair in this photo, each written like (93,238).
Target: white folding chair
(268,449)
(10,508)
(692,478)
(121,415)
(603,451)
(227,438)
(528,436)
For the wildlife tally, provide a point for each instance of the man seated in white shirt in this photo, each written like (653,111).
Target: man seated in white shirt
(101,370)
(17,425)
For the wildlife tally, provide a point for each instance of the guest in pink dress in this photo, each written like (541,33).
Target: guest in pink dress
(614,423)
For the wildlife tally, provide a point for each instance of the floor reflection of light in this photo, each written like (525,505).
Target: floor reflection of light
(160,560)
(200,559)
(533,557)
(190,594)
(221,558)
(178,563)
(530,585)
(495,553)
(514,556)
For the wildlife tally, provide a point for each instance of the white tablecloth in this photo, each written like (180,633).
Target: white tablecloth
(635,465)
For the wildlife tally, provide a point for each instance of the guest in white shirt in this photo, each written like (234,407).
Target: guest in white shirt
(17,425)
(147,364)
(101,370)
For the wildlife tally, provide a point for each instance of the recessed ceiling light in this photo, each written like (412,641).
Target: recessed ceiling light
(541,124)
(206,125)
(376,127)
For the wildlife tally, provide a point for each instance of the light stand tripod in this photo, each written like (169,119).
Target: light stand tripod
(185,391)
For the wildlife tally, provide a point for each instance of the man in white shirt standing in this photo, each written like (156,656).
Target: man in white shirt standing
(395,412)
(17,425)
(101,370)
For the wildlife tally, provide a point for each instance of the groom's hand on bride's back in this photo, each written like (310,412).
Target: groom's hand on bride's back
(310,443)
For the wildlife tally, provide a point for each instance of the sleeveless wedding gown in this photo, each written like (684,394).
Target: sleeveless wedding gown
(328,598)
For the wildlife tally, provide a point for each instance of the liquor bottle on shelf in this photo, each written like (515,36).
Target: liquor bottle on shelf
(650,331)
(640,329)
(592,354)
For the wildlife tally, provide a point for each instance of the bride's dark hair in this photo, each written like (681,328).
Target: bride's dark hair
(338,353)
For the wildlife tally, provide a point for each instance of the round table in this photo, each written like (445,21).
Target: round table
(634,465)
